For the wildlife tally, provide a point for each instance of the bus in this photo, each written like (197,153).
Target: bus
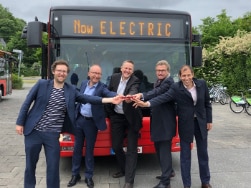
(85,35)
(6,64)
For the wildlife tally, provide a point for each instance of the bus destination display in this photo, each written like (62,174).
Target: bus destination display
(98,26)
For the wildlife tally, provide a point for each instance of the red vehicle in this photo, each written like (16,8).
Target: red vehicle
(91,35)
(6,60)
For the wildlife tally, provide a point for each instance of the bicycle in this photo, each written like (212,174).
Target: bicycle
(218,93)
(239,103)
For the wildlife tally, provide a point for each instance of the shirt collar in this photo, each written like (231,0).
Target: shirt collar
(194,85)
(95,85)
(125,81)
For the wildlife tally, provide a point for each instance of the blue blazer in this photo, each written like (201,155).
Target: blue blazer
(40,94)
(186,109)
(98,111)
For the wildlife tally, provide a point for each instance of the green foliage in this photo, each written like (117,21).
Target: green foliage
(213,29)
(9,25)
(17,82)
(34,70)
(231,65)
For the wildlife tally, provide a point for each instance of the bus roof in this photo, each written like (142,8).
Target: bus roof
(119,9)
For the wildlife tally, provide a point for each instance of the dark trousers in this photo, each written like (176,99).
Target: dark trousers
(163,152)
(202,154)
(86,131)
(126,161)
(33,146)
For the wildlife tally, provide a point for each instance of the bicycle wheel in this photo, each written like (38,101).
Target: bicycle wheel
(224,98)
(248,106)
(235,107)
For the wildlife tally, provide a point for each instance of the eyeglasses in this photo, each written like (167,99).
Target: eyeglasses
(61,71)
(97,73)
(160,70)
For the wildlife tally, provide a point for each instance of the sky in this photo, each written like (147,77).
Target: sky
(199,9)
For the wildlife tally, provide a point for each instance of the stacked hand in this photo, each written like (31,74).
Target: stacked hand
(129,98)
(117,99)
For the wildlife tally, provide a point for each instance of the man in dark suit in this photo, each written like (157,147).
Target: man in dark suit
(194,120)
(48,110)
(125,120)
(163,122)
(90,119)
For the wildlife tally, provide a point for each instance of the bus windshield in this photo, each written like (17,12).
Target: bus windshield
(110,54)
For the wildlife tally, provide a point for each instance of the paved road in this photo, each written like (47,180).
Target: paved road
(229,150)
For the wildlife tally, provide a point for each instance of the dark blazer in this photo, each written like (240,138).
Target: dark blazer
(98,111)
(163,116)
(133,115)
(186,109)
(40,94)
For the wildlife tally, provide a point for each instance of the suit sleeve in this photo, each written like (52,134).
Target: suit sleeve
(158,90)
(83,98)
(168,96)
(27,104)
(208,105)
(107,93)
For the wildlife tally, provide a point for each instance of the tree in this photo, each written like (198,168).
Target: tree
(9,25)
(213,29)
(16,42)
(231,60)
(244,23)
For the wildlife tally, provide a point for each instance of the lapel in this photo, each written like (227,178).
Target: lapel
(97,89)
(83,86)
(184,90)
(116,81)
(198,88)
(49,89)
(66,94)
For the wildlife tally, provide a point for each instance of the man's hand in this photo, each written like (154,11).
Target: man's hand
(19,129)
(117,99)
(138,96)
(209,126)
(140,103)
(129,98)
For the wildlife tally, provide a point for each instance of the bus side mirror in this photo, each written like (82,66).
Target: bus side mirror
(34,34)
(196,56)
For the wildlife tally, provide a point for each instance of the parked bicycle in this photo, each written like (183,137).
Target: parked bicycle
(218,93)
(239,103)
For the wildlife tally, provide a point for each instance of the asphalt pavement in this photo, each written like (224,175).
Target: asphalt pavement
(229,152)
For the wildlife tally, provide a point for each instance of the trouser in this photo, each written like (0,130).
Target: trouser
(126,161)
(163,152)
(202,154)
(86,131)
(33,146)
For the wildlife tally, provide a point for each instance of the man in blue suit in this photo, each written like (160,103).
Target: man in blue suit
(194,120)
(90,119)
(49,109)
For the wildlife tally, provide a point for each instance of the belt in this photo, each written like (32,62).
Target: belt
(87,118)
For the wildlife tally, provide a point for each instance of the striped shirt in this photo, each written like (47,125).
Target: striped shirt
(53,117)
